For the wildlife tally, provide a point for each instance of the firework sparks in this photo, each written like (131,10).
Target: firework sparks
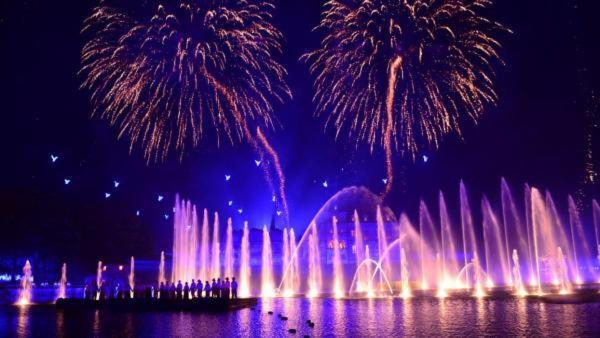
(167,74)
(404,73)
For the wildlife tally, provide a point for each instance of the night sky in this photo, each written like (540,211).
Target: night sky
(535,135)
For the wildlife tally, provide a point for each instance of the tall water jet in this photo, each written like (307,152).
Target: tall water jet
(596,216)
(498,271)
(161,269)
(565,285)
(450,264)
(25,288)
(287,290)
(534,276)
(99,279)
(581,248)
(338,273)
(314,265)
(205,273)
(229,250)
(406,293)
(216,249)
(359,245)
(429,249)
(267,281)
(295,266)
(517,279)
(62,285)
(369,285)
(185,241)
(468,235)
(245,264)
(382,247)
(132,277)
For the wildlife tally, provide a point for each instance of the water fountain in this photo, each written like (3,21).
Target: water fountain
(267,280)
(161,269)
(229,250)
(215,269)
(338,274)
(502,247)
(244,279)
(99,279)
(26,284)
(131,278)
(62,285)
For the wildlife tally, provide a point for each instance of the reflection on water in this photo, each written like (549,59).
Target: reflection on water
(23,321)
(366,317)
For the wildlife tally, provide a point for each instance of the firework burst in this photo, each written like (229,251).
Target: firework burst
(404,72)
(168,73)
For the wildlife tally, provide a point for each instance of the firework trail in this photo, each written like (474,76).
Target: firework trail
(170,74)
(404,73)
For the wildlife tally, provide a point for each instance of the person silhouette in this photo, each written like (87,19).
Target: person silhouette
(234,287)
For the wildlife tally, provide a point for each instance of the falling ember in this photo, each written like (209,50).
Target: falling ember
(25,288)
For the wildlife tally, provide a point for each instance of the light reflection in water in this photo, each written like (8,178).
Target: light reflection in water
(23,321)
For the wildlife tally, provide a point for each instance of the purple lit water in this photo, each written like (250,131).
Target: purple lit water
(349,318)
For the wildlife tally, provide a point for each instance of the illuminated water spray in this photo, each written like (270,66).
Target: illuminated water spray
(62,286)
(229,250)
(25,288)
(99,279)
(161,269)
(216,249)
(267,280)
(338,273)
(244,279)
(131,278)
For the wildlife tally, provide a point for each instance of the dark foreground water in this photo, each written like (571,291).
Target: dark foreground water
(343,318)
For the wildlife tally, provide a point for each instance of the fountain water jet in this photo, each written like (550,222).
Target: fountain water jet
(161,269)
(338,273)
(245,264)
(518,280)
(406,293)
(295,266)
(267,283)
(359,253)
(314,265)
(229,250)
(216,249)
(25,289)
(62,286)
(99,279)
(205,272)
(132,277)
(287,289)
(185,241)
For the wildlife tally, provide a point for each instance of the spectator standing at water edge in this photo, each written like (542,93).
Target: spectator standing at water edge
(227,288)
(179,290)
(207,290)
(213,289)
(199,289)
(219,287)
(193,289)
(172,291)
(234,287)
(161,291)
(186,291)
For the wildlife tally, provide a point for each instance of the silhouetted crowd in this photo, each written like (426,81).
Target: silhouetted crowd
(224,289)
